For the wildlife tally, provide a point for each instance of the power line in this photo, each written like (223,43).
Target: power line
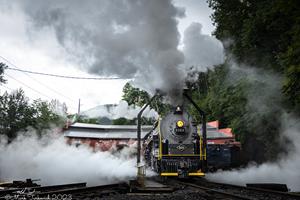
(28,97)
(13,90)
(29,87)
(53,75)
(7,87)
(63,76)
(37,80)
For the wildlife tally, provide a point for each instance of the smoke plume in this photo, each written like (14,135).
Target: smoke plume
(201,51)
(54,162)
(127,39)
(117,38)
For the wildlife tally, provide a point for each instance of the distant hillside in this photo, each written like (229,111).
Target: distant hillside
(115,111)
(100,111)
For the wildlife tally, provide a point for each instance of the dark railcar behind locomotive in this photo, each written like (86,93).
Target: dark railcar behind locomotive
(223,156)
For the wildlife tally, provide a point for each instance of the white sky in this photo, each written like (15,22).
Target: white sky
(41,52)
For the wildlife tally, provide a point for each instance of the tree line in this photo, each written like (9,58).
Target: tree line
(18,115)
(264,36)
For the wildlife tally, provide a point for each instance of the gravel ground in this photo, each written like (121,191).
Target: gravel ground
(188,194)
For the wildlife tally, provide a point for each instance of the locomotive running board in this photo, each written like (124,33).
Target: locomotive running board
(169,174)
(197,174)
(176,174)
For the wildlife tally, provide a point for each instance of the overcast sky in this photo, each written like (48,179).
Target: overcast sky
(42,51)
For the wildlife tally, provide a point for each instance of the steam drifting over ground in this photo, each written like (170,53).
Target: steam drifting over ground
(267,100)
(285,171)
(54,162)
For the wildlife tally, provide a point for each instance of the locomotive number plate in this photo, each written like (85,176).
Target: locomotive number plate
(179,130)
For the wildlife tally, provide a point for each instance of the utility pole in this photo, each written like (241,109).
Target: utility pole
(78,108)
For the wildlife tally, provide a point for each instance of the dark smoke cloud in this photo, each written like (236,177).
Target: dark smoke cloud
(128,39)
(116,38)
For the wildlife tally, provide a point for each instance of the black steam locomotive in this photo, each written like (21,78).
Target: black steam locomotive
(175,146)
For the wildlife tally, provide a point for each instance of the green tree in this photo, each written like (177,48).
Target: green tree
(123,121)
(264,34)
(228,102)
(16,113)
(44,116)
(87,120)
(136,97)
(2,68)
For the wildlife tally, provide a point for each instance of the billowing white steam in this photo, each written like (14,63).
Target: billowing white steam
(285,171)
(201,51)
(54,162)
(120,110)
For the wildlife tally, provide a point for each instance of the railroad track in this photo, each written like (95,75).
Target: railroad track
(171,189)
(266,192)
(236,192)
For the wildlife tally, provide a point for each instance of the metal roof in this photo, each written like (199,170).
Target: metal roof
(83,130)
(107,127)
(213,132)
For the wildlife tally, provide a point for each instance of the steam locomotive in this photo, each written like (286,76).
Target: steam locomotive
(176,146)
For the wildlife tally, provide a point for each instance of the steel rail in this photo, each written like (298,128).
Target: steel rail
(118,186)
(274,192)
(216,191)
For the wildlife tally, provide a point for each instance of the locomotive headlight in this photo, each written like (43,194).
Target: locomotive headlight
(180,123)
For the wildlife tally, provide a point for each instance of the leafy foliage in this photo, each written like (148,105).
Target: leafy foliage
(17,114)
(2,68)
(264,34)
(123,121)
(229,102)
(44,117)
(85,119)
(108,121)
(135,96)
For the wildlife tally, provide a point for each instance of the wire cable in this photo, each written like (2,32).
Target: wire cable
(38,81)
(63,76)
(28,87)
(6,87)
(13,90)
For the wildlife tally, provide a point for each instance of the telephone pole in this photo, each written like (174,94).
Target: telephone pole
(78,107)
